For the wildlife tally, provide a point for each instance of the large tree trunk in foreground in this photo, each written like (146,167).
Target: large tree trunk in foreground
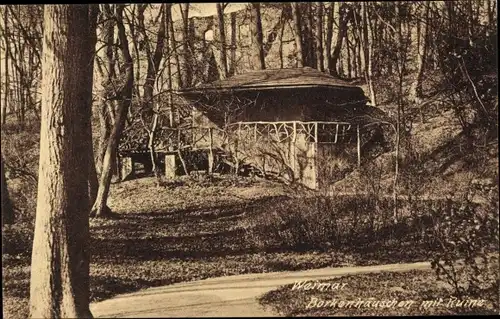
(7,209)
(60,258)
(125,99)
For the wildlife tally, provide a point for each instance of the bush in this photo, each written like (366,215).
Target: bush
(428,230)
(17,239)
(20,150)
(322,222)
(463,238)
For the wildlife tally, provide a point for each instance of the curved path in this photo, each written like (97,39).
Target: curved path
(231,296)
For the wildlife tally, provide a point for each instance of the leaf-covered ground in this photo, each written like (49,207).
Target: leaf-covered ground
(178,232)
(398,294)
(182,231)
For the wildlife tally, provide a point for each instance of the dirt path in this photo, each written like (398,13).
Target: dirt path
(231,296)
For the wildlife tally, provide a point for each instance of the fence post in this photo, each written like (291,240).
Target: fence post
(211,152)
(358,145)
(236,149)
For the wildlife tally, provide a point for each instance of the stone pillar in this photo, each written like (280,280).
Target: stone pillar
(170,167)
(127,167)
(306,161)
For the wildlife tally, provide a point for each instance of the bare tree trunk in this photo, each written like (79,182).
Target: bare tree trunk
(258,61)
(107,90)
(329,36)
(171,50)
(152,72)
(125,99)
(298,34)
(362,63)
(311,57)
(7,209)
(416,88)
(232,66)
(133,31)
(154,59)
(319,37)
(343,19)
(340,69)
(368,43)
(348,58)
(104,132)
(19,60)
(93,184)
(282,32)
(272,33)
(470,22)
(60,258)
(171,31)
(222,39)
(400,64)
(7,82)
(355,54)
(490,11)
(186,47)
(2,108)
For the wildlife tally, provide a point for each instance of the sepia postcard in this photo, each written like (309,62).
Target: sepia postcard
(274,159)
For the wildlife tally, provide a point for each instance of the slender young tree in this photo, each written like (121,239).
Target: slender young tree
(106,68)
(222,39)
(344,16)
(60,258)
(298,33)
(329,36)
(124,98)
(173,44)
(400,112)
(152,74)
(88,81)
(309,43)
(6,61)
(368,50)
(186,56)
(319,37)
(232,64)
(257,38)
(416,88)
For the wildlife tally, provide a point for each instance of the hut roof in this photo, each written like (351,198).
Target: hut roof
(274,79)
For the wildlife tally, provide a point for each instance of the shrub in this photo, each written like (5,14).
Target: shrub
(323,222)
(463,236)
